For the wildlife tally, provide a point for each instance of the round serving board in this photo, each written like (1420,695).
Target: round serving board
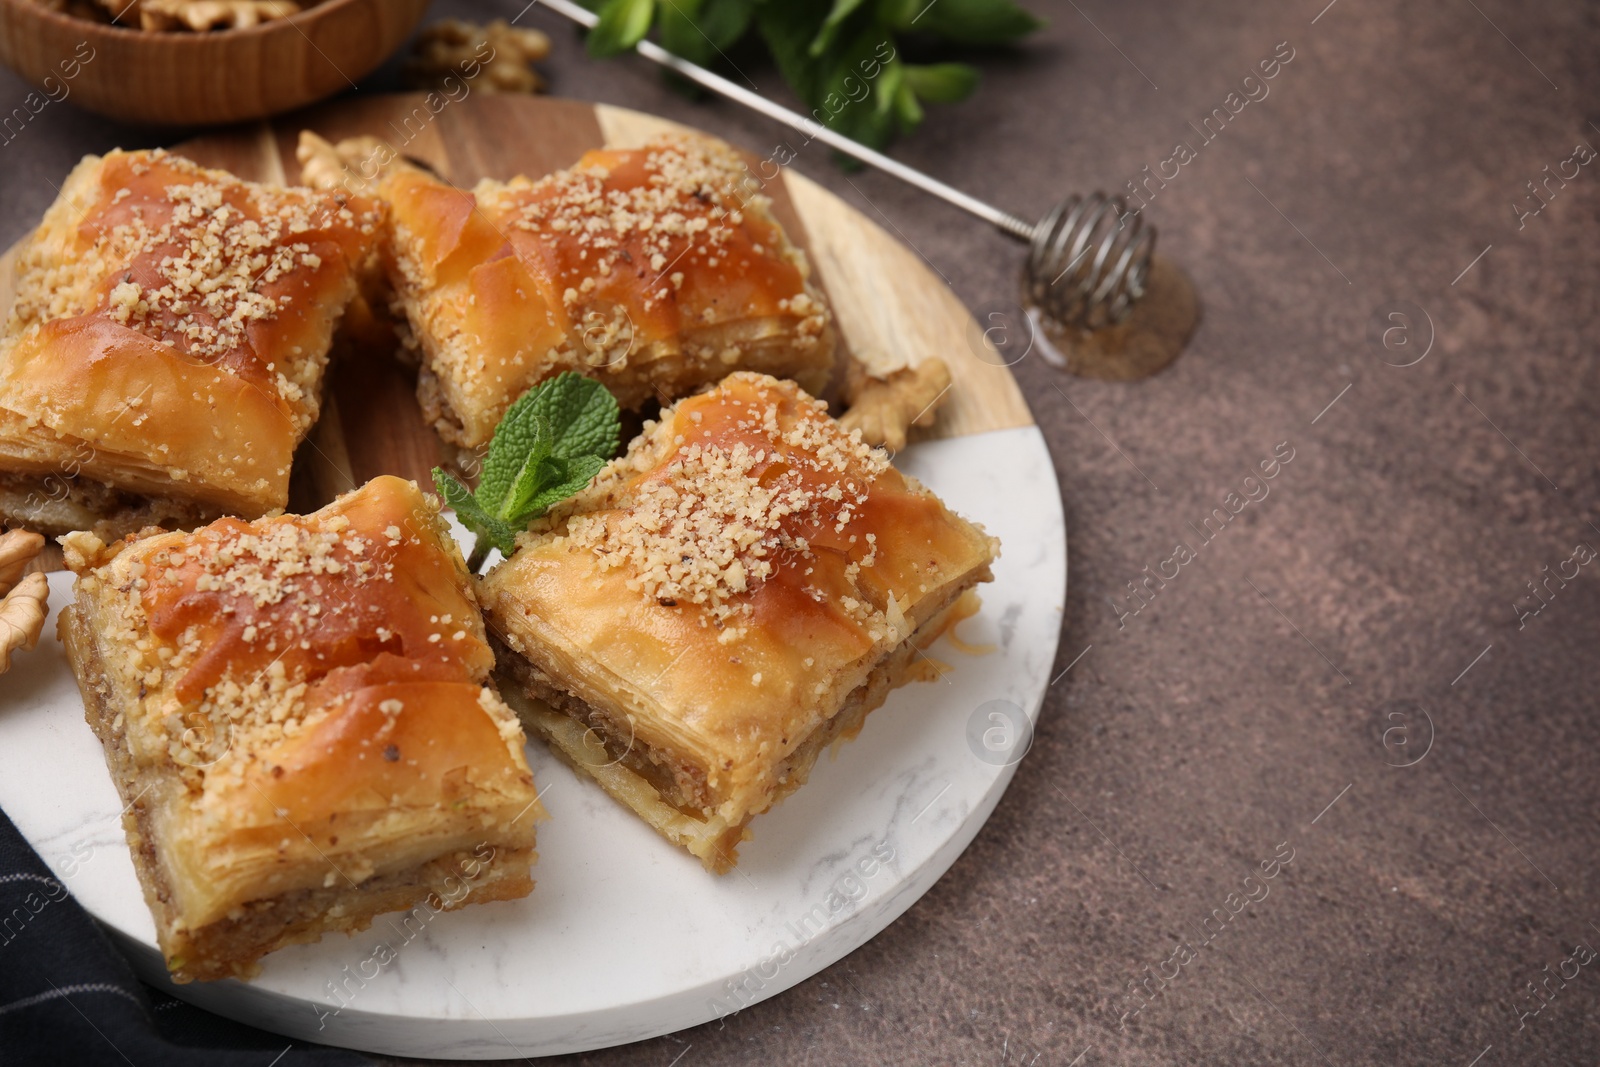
(624,936)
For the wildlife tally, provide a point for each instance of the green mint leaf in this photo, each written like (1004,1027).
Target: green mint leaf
(549,445)
(681,33)
(489,529)
(852,71)
(942,83)
(699,30)
(455,494)
(788,28)
(623,24)
(899,13)
(562,418)
(725,21)
(582,415)
(907,109)
(569,478)
(522,429)
(818,46)
(842,10)
(975,22)
(585,431)
(883,93)
(531,476)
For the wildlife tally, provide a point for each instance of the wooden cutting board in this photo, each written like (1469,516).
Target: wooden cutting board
(892,309)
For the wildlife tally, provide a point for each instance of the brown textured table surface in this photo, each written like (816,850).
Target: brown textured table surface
(1355,669)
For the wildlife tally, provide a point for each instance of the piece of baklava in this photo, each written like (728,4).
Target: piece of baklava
(656,270)
(726,600)
(296,712)
(165,353)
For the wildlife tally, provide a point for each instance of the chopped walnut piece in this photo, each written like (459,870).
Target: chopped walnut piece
(354,165)
(883,409)
(22,609)
(201,15)
(321,166)
(83,551)
(495,58)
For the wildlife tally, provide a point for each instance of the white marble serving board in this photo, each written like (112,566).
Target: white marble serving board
(624,936)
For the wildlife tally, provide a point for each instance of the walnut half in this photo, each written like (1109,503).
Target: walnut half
(22,608)
(354,165)
(496,58)
(200,15)
(884,409)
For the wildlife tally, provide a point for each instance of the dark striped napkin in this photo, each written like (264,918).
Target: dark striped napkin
(68,997)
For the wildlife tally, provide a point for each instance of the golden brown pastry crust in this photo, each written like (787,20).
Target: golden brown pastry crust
(295,706)
(722,592)
(169,336)
(655,270)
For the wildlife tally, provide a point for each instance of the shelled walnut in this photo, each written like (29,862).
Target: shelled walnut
(354,165)
(496,58)
(23,597)
(885,409)
(182,15)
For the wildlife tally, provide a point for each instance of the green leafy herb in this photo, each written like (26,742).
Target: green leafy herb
(846,59)
(700,30)
(983,22)
(942,83)
(623,23)
(842,10)
(550,444)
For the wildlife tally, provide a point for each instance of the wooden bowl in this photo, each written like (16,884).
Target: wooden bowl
(200,78)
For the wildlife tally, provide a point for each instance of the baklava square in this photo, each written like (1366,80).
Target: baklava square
(722,603)
(165,353)
(297,713)
(655,270)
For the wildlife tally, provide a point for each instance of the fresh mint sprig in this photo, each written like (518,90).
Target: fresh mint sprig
(847,59)
(549,445)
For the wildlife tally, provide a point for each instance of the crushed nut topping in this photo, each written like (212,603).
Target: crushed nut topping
(211,257)
(259,630)
(713,521)
(694,193)
(201,262)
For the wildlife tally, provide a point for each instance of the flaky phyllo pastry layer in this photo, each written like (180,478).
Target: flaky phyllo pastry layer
(732,595)
(655,270)
(295,711)
(166,350)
